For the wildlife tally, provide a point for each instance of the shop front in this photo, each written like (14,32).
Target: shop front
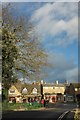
(60,97)
(15,98)
(52,98)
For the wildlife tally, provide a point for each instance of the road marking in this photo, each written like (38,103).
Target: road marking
(60,118)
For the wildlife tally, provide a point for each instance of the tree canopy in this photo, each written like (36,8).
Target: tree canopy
(21,49)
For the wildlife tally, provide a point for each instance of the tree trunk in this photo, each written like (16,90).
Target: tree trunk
(5,95)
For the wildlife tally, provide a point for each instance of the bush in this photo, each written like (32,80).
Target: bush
(12,106)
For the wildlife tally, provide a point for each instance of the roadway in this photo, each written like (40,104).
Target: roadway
(53,111)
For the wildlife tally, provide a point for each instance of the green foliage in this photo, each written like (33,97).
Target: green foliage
(17,106)
(9,55)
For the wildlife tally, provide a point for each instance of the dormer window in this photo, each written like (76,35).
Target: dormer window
(24,91)
(34,91)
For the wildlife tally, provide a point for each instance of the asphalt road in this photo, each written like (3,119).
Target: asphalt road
(54,111)
(63,106)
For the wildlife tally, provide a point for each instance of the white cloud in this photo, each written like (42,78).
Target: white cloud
(59,60)
(42,12)
(71,74)
(61,68)
(53,19)
(56,59)
(72,27)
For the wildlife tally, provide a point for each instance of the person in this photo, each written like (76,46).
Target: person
(42,102)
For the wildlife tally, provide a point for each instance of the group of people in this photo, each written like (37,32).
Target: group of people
(43,102)
(32,101)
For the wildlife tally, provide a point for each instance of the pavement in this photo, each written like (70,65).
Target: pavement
(51,111)
(73,114)
(24,109)
(77,113)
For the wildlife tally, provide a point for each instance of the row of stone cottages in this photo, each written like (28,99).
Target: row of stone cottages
(54,92)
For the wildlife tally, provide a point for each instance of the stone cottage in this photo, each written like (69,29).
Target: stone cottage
(22,92)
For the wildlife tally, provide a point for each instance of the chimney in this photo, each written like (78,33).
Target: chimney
(66,81)
(57,82)
(41,81)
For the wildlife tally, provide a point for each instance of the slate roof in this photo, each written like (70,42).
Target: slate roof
(54,85)
(70,89)
(29,87)
(76,85)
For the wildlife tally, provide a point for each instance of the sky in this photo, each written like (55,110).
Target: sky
(57,24)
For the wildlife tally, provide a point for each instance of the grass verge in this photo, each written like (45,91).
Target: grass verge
(12,106)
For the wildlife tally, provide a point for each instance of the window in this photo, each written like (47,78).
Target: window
(12,91)
(70,98)
(24,91)
(53,87)
(34,91)
(46,87)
